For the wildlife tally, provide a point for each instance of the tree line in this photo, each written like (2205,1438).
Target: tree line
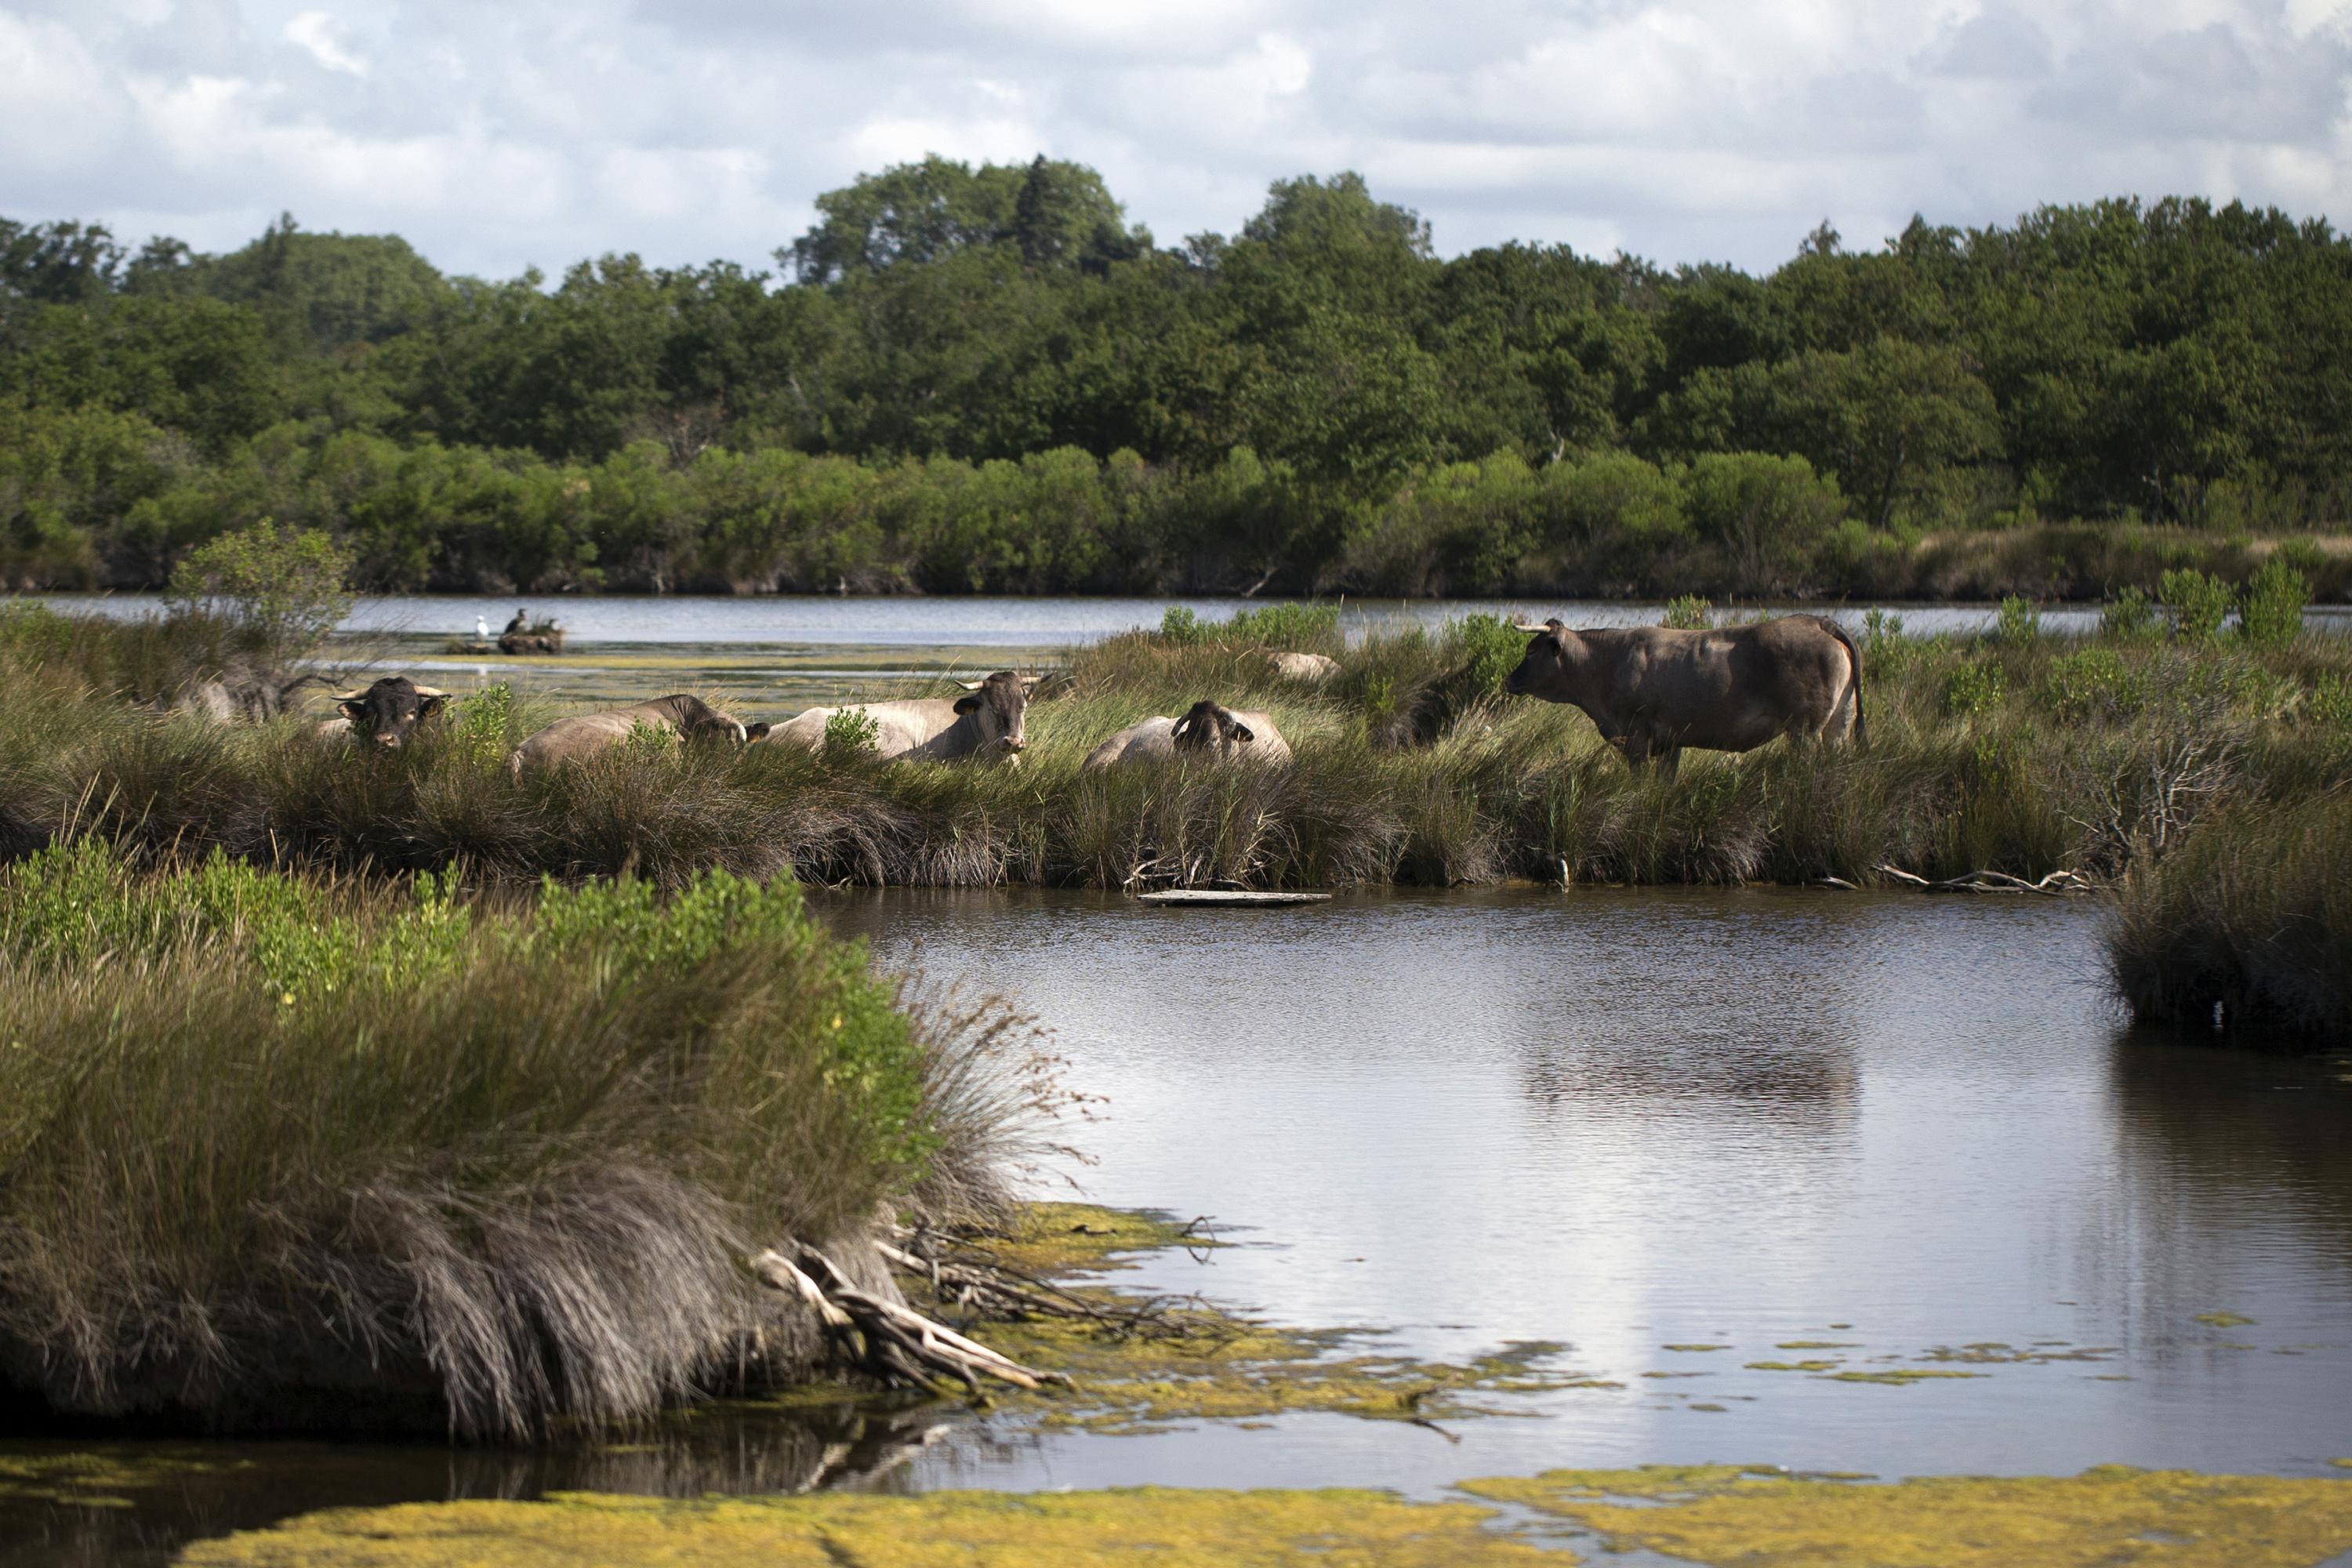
(989,379)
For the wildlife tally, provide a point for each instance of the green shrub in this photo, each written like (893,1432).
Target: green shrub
(2019,625)
(2269,610)
(1305,628)
(283,589)
(1488,647)
(1973,689)
(1179,625)
(2128,617)
(2200,603)
(2330,701)
(851,732)
(1689,613)
(1770,516)
(2093,682)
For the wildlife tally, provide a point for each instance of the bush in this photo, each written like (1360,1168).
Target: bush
(1689,613)
(2198,603)
(2128,617)
(1179,625)
(1768,515)
(1304,628)
(2093,682)
(1489,648)
(1973,689)
(851,733)
(2269,610)
(2019,625)
(283,590)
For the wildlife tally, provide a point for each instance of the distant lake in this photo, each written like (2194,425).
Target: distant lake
(1004,621)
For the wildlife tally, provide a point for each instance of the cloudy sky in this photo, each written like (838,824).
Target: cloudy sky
(501,135)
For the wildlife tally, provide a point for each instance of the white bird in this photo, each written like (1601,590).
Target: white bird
(481,628)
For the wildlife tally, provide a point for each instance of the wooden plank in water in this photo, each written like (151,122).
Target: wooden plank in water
(1230,900)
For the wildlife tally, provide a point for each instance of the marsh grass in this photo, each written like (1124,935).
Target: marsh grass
(2007,752)
(295,1152)
(2247,927)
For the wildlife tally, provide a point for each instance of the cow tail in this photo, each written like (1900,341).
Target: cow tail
(1860,730)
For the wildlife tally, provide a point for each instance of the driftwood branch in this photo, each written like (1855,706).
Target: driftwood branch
(2055,883)
(886,1340)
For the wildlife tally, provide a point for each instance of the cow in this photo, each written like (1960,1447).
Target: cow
(1311,668)
(1652,691)
(987,723)
(386,712)
(586,734)
(1207,728)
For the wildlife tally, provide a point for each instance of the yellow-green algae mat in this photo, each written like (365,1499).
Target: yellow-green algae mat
(1716,1515)
(1207,1363)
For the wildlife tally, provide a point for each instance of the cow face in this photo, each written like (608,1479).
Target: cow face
(388,713)
(1207,727)
(1544,661)
(699,721)
(1000,705)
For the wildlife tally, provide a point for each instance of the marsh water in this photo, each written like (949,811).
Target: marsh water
(1904,1133)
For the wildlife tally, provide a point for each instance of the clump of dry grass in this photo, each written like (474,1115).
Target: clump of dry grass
(273,1154)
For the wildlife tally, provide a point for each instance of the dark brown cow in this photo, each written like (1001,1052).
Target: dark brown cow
(385,713)
(1652,691)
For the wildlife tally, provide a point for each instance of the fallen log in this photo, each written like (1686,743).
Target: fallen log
(886,1341)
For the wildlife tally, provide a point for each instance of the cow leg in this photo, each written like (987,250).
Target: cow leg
(1669,759)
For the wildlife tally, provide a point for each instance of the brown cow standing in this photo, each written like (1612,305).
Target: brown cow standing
(1652,691)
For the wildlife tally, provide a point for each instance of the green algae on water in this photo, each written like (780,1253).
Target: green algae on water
(1334,1529)
(1723,1515)
(1790,1365)
(1897,1376)
(2224,1319)
(1694,1349)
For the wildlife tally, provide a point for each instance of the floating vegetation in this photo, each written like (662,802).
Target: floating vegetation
(1993,1353)
(1898,1377)
(1768,1518)
(1694,1349)
(1816,1345)
(2224,1319)
(1334,1529)
(1058,1239)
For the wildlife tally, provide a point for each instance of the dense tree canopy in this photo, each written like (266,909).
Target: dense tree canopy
(1305,384)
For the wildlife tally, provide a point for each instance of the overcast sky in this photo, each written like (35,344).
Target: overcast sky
(496,134)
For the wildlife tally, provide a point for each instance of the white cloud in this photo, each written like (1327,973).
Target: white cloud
(542,132)
(316,31)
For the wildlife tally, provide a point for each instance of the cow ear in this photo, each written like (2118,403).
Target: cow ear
(1181,725)
(1243,732)
(430,706)
(967,704)
(755,731)
(350,708)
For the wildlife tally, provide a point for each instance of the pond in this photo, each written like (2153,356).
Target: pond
(1679,1132)
(998,622)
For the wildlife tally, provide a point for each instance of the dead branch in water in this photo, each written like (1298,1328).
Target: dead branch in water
(2055,884)
(886,1341)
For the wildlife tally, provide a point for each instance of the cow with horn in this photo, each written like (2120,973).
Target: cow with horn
(385,713)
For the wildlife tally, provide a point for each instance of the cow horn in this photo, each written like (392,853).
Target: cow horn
(347,696)
(971,685)
(432,691)
(1522,626)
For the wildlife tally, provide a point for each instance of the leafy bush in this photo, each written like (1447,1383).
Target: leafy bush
(2200,603)
(2330,701)
(1973,689)
(2269,610)
(2093,682)
(2129,617)
(1179,625)
(2019,625)
(1489,647)
(851,732)
(284,589)
(1768,515)
(1305,628)
(1689,613)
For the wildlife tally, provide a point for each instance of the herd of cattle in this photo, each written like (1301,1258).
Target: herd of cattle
(1649,691)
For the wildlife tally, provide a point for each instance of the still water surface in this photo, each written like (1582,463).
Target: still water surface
(995,622)
(1624,1120)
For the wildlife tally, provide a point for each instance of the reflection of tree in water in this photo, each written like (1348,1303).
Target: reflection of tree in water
(1803,1073)
(180,1492)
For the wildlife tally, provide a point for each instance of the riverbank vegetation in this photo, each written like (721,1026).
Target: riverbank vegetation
(361,1154)
(988,379)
